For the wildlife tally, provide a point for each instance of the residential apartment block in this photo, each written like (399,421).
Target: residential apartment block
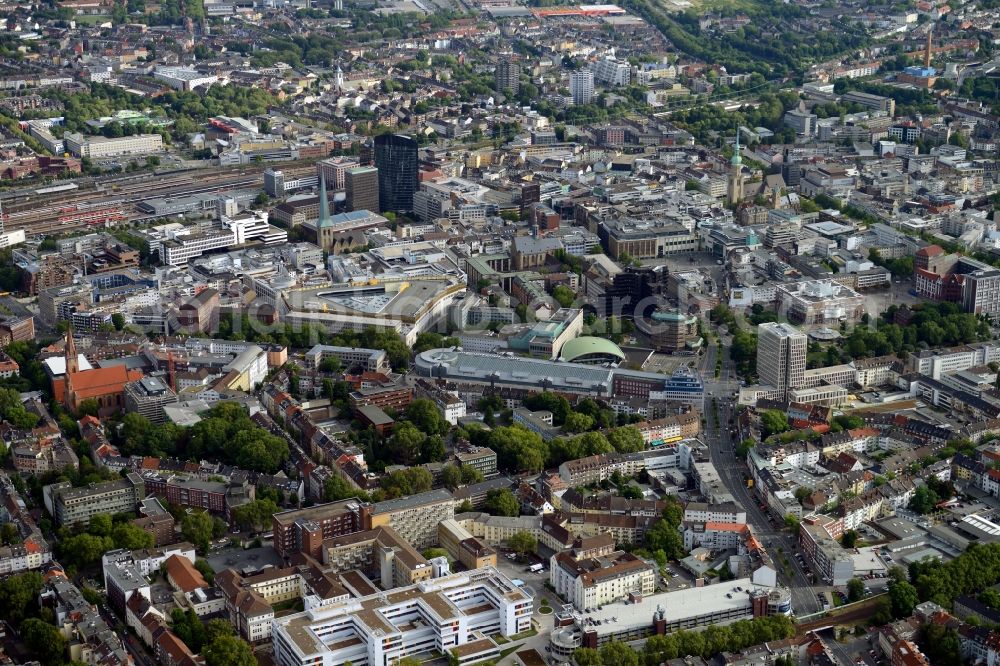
(415,518)
(76,506)
(588,582)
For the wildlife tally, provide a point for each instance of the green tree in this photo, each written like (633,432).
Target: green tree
(923,501)
(84,550)
(903,598)
(522,543)
(501,502)
(666,537)
(228,650)
(19,596)
(336,488)
(424,414)
(401,483)
(470,475)
(941,645)
(587,657)
(626,439)
(629,492)
(132,537)
(548,401)
(517,448)
(618,654)
(849,539)
(189,628)
(255,515)
(451,477)
(44,641)
(773,421)
(577,422)
(101,525)
(990,597)
(88,407)
(9,534)
(404,447)
(855,590)
(564,295)
(118,320)
(206,570)
(432,449)
(196,528)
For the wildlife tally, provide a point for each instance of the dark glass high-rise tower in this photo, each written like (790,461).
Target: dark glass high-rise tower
(396,160)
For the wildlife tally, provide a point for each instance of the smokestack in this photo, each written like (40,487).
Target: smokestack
(927,51)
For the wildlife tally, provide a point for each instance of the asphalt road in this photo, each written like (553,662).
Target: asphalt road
(721,444)
(132,645)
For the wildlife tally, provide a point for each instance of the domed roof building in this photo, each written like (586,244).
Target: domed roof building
(592,350)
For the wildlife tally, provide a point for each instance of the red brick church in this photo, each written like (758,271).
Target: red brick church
(105,385)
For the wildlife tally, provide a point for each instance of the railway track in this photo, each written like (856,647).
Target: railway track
(41,215)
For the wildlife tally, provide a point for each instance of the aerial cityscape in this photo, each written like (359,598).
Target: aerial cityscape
(499,333)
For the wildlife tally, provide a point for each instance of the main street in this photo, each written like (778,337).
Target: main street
(719,393)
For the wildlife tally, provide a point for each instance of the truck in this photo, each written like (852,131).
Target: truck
(536,568)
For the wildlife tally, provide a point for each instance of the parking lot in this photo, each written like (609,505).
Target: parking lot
(667,363)
(534,581)
(676,578)
(237,558)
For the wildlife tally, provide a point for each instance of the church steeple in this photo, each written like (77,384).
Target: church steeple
(735,193)
(72,358)
(324,203)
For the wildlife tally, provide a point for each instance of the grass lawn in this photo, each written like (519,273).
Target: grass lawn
(507,651)
(91,19)
(291,604)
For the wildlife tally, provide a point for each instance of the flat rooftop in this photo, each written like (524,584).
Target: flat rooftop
(535,372)
(420,499)
(318,512)
(433,595)
(682,604)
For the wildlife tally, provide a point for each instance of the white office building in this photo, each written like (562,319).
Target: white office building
(612,72)
(96,147)
(441,615)
(181,244)
(183,78)
(781,356)
(581,86)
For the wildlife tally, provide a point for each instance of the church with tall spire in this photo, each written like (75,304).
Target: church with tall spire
(735,188)
(106,386)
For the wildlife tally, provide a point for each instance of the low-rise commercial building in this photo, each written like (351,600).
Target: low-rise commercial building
(97,147)
(641,616)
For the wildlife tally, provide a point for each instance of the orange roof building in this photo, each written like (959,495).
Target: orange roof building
(182,574)
(105,385)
